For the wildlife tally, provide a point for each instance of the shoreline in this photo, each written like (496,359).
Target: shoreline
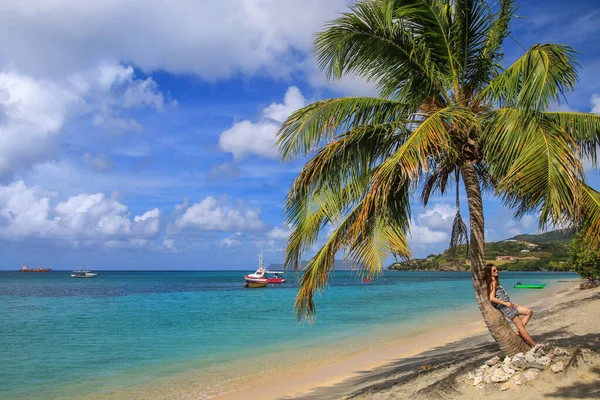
(323,366)
(339,378)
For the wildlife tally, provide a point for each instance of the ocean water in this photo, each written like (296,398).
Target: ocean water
(71,338)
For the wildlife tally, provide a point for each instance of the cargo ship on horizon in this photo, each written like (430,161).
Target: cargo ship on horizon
(25,268)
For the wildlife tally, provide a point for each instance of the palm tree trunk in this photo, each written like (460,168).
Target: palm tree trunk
(510,343)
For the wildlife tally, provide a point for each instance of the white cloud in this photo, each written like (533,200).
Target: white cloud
(230,243)
(34,111)
(211,39)
(247,137)
(278,233)
(433,226)
(26,212)
(233,241)
(99,162)
(595,103)
(211,215)
(425,235)
(527,224)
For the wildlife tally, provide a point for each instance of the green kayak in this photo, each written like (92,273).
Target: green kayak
(520,285)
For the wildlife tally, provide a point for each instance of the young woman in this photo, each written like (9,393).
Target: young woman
(500,300)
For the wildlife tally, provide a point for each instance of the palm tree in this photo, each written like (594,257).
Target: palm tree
(446,109)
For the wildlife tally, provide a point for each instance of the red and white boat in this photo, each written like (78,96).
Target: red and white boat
(264,276)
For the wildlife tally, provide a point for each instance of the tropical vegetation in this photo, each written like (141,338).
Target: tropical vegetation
(448,113)
(549,251)
(585,259)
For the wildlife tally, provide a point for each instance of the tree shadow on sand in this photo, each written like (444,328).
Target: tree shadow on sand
(580,390)
(450,361)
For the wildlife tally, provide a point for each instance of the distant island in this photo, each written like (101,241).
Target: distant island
(339,265)
(543,252)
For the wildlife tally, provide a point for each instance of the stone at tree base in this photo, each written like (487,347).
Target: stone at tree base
(531,375)
(508,370)
(529,358)
(518,379)
(493,361)
(500,376)
(545,361)
(559,351)
(558,367)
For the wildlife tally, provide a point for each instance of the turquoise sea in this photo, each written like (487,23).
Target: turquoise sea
(75,338)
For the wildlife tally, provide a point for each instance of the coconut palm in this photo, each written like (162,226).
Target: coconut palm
(447,110)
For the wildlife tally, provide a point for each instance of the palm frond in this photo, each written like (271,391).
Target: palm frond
(396,43)
(308,128)
(584,128)
(369,235)
(484,62)
(430,138)
(468,37)
(536,164)
(590,215)
(539,78)
(435,181)
(460,233)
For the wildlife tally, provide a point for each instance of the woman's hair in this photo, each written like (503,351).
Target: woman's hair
(488,276)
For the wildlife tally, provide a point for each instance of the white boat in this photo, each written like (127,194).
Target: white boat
(259,275)
(81,273)
(264,276)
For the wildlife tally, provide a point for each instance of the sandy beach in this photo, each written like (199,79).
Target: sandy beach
(430,363)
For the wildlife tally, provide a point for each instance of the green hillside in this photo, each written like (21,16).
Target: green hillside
(544,252)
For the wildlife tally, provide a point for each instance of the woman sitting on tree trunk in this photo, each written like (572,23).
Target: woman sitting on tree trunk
(501,301)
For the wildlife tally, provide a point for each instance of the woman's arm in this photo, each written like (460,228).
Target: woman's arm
(494,299)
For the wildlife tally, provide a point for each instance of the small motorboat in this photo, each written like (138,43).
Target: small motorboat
(255,284)
(276,277)
(367,280)
(83,274)
(520,285)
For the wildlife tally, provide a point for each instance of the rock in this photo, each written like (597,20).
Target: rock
(508,370)
(477,380)
(518,361)
(470,376)
(558,367)
(529,357)
(531,375)
(482,370)
(544,360)
(506,360)
(505,386)
(559,351)
(481,386)
(493,361)
(534,365)
(499,376)
(518,379)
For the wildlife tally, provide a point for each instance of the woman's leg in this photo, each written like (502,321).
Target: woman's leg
(522,331)
(527,312)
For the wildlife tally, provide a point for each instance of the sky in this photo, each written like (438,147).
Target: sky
(139,134)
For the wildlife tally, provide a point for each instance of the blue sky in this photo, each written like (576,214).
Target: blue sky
(138,135)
